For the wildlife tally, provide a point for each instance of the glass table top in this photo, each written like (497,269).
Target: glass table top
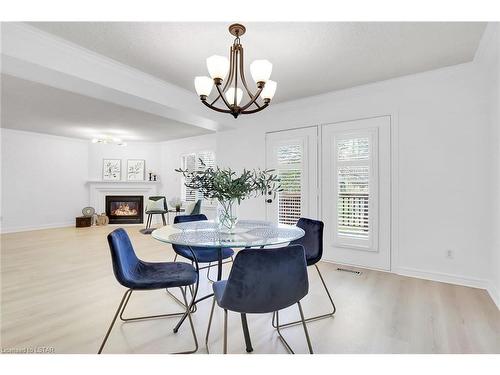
(248,233)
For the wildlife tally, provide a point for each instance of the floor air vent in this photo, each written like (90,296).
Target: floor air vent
(350,271)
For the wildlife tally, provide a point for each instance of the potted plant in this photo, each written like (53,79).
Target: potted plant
(229,189)
(177,203)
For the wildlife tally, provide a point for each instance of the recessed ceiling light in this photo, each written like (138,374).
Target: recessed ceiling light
(109,140)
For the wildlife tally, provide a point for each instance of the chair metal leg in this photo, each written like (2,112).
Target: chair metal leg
(330,314)
(193,299)
(305,328)
(210,266)
(282,339)
(246,333)
(123,305)
(225,332)
(208,272)
(163,219)
(145,317)
(209,324)
(191,324)
(302,320)
(174,297)
(127,293)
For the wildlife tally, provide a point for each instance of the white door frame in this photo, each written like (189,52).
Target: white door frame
(310,138)
(360,253)
(393,114)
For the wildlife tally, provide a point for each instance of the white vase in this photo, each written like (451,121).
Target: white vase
(227,215)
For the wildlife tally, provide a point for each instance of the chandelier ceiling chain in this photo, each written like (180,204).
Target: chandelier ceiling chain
(228,92)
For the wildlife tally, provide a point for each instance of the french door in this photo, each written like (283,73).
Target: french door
(345,182)
(293,154)
(356,192)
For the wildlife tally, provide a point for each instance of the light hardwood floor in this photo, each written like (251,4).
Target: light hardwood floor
(58,291)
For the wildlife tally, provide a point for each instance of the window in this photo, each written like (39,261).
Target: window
(192,162)
(290,173)
(355,186)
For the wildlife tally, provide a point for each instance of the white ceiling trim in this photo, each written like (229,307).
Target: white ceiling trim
(32,54)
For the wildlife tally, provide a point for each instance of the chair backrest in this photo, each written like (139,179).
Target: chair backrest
(312,240)
(197,208)
(263,281)
(183,219)
(187,218)
(157,198)
(123,257)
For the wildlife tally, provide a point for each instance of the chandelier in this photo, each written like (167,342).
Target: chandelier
(228,93)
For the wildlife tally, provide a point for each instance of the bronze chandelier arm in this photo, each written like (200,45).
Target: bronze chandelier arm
(215,108)
(229,75)
(221,94)
(255,110)
(252,100)
(243,80)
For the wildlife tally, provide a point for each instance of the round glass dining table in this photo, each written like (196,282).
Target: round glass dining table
(247,233)
(206,234)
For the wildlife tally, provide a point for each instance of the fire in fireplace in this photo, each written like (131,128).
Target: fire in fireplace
(124,209)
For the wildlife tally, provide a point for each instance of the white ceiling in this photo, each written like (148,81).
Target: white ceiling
(39,108)
(308,58)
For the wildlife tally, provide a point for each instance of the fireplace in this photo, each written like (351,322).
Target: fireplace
(125,209)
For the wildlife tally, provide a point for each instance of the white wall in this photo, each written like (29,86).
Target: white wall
(441,128)
(150,152)
(43,180)
(489,63)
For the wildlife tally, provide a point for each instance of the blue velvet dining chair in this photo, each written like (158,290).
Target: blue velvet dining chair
(313,246)
(135,274)
(263,281)
(204,255)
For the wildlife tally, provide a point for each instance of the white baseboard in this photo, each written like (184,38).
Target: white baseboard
(494,294)
(453,279)
(36,227)
(443,277)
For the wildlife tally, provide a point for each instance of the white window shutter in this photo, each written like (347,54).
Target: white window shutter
(192,162)
(356,182)
(290,162)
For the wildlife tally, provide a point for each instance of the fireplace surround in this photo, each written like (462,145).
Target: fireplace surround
(125,209)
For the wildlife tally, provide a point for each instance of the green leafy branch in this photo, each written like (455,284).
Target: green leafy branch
(225,184)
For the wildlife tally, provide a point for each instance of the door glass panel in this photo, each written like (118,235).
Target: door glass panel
(353,149)
(290,173)
(353,202)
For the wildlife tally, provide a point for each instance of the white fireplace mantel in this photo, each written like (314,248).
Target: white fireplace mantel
(99,189)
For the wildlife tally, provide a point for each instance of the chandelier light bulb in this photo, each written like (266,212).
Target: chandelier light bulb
(269,90)
(230,96)
(203,85)
(261,70)
(218,66)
